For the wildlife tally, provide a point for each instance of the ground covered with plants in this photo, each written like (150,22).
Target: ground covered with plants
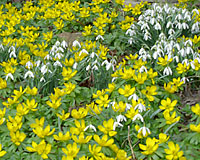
(99,80)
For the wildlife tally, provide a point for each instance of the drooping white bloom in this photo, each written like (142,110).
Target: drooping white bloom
(140,107)
(91,127)
(142,69)
(12,52)
(37,63)
(116,124)
(76,43)
(88,67)
(167,71)
(1,47)
(121,118)
(147,35)
(29,74)
(58,55)
(57,43)
(64,44)
(44,69)
(157,26)
(75,65)
(9,75)
(138,117)
(144,130)
(29,64)
(42,79)
(128,106)
(83,51)
(133,96)
(99,37)
(47,57)
(57,63)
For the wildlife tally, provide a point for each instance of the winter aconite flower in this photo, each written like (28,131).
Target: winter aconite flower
(195,128)
(107,127)
(173,152)
(168,104)
(42,148)
(71,151)
(196,109)
(170,118)
(104,141)
(2,153)
(150,147)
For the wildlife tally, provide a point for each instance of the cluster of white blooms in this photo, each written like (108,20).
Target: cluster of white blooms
(169,20)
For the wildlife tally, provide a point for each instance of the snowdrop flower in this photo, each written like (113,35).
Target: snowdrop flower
(99,37)
(83,51)
(144,130)
(42,79)
(116,124)
(29,74)
(147,35)
(176,58)
(1,46)
(130,41)
(128,106)
(145,26)
(76,43)
(75,65)
(9,75)
(179,25)
(130,32)
(140,107)
(186,61)
(60,49)
(188,42)
(195,27)
(185,25)
(57,63)
(64,44)
(179,17)
(182,52)
(138,117)
(157,26)
(29,64)
(47,57)
(169,24)
(57,43)
(167,71)
(91,127)
(88,67)
(92,54)
(156,54)
(142,69)
(95,67)
(133,96)
(121,118)
(184,79)
(37,63)
(152,21)
(44,69)
(58,55)
(12,52)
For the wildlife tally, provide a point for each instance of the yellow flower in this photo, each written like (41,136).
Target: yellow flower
(38,123)
(54,104)
(14,124)
(177,82)
(107,128)
(63,116)
(126,73)
(173,151)
(170,87)
(81,113)
(21,110)
(150,147)
(2,153)
(48,36)
(71,151)
(69,63)
(81,139)
(163,138)
(3,83)
(94,109)
(17,137)
(120,107)
(30,105)
(131,113)
(164,61)
(127,91)
(19,93)
(168,104)
(104,141)
(170,118)
(140,78)
(2,114)
(84,12)
(68,74)
(111,87)
(59,24)
(88,30)
(149,92)
(32,91)
(42,148)
(80,127)
(42,133)
(103,101)
(196,39)
(195,128)
(69,87)
(196,109)
(121,2)
(182,68)
(95,151)
(62,137)
(122,155)
(98,93)
(139,63)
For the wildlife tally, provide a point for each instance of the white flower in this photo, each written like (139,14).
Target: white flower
(167,71)
(169,24)
(47,57)
(128,106)
(88,67)
(57,43)
(64,44)
(42,79)
(9,75)
(91,127)
(58,55)
(144,130)
(133,96)
(57,63)
(92,55)
(75,65)
(121,118)
(185,25)
(76,43)
(95,67)
(60,49)
(83,51)
(116,124)
(12,52)
(147,35)
(44,69)
(142,69)
(29,64)
(1,46)
(157,26)
(176,58)
(130,41)
(99,37)
(37,63)
(145,26)
(138,117)
(140,107)
(29,74)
